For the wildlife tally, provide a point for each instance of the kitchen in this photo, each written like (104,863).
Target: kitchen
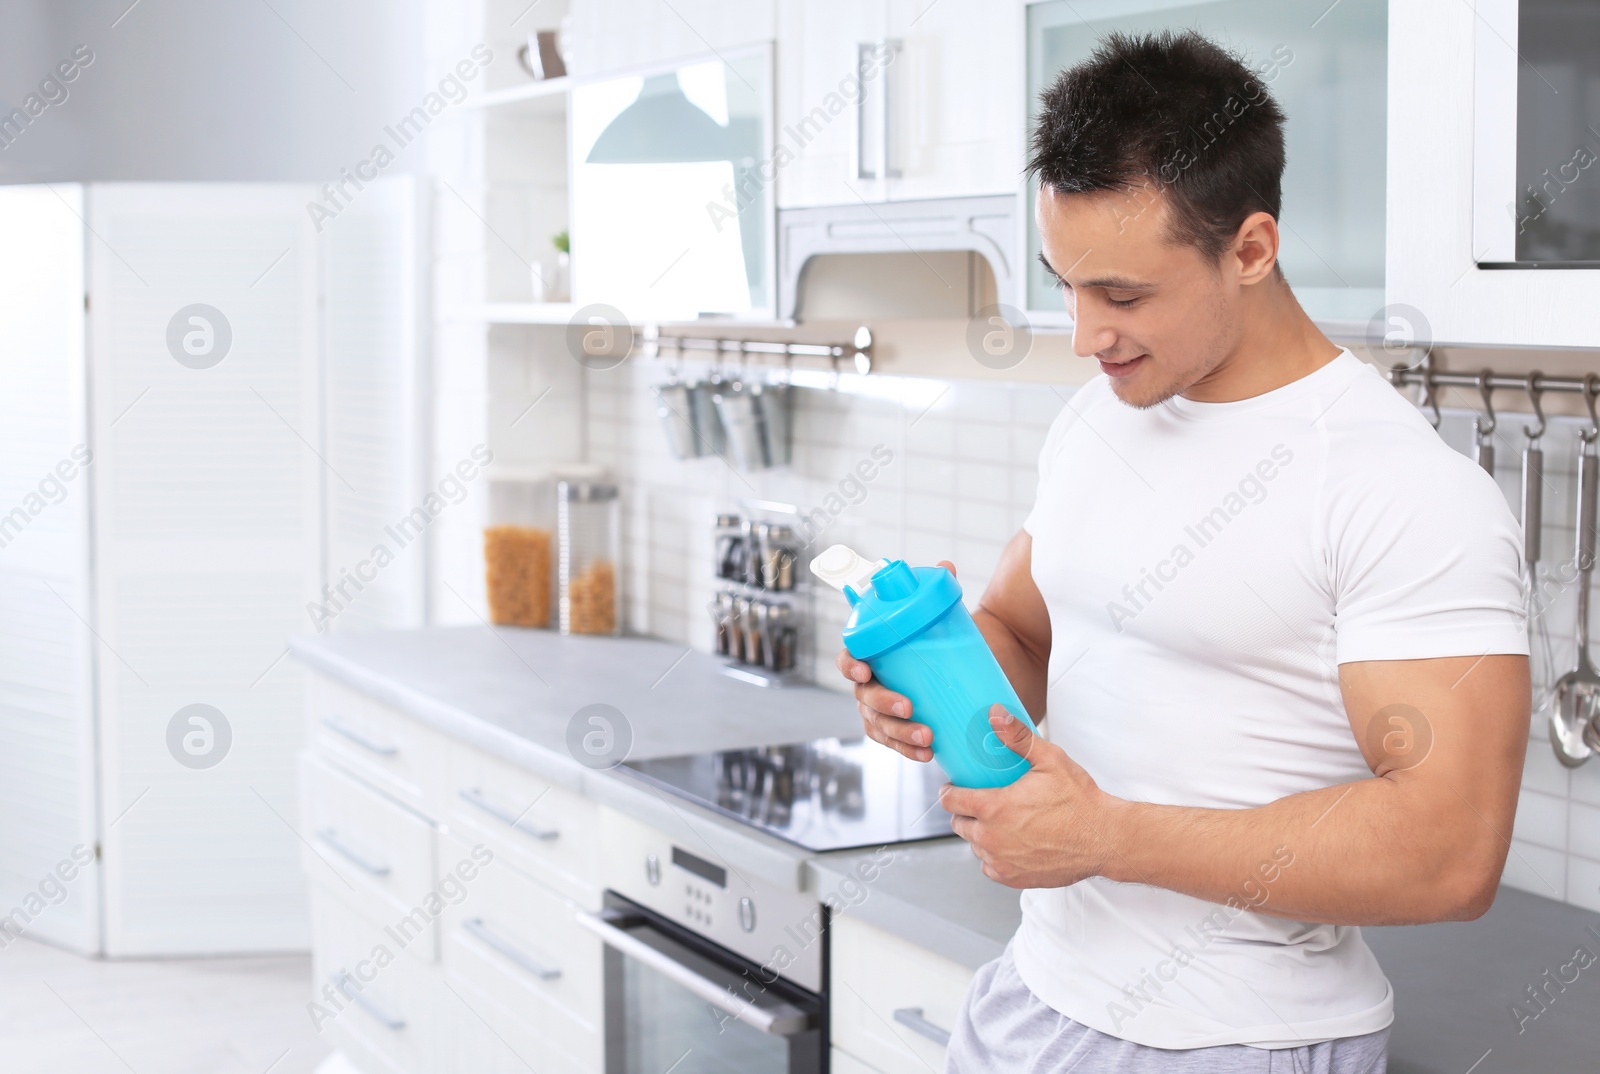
(421,420)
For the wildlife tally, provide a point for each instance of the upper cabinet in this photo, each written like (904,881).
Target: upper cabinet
(1494,200)
(671,203)
(1325,66)
(890,100)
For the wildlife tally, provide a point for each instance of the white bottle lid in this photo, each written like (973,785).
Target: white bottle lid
(841,566)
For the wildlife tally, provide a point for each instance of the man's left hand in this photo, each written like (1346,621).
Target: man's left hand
(1049,829)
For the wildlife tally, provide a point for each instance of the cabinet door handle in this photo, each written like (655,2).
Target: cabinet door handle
(360,738)
(884,53)
(911,1018)
(863,52)
(511,951)
(331,837)
(389,1021)
(891,49)
(473,796)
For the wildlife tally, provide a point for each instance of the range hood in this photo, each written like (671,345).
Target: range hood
(986,226)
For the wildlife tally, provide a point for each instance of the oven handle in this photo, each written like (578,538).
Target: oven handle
(782,1020)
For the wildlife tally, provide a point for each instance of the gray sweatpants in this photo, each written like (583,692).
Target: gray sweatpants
(1004,1027)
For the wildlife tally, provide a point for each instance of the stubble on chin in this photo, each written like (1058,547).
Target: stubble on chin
(1141,396)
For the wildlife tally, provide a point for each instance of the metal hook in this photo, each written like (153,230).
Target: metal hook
(1430,396)
(1591,388)
(1485,425)
(1534,432)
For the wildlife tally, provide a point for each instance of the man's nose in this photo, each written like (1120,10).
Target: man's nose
(1090,336)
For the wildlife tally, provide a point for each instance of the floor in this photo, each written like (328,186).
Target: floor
(190,1016)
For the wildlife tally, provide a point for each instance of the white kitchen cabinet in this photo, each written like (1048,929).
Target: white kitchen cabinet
(890,1000)
(545,831)
(614,35)
(379,853)
(939,114)
(492,971)
(1454,204)
(515,956)
(371,998)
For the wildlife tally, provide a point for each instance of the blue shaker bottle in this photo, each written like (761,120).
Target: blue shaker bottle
(909,626)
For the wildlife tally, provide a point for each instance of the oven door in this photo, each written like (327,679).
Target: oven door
(677,1001)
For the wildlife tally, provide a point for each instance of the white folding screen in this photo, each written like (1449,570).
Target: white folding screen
(253,399)
(47,788)
(203,345)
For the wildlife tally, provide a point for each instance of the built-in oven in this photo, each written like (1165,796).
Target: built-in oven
(708,968)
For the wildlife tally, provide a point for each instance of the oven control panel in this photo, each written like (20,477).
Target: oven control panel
(692,884)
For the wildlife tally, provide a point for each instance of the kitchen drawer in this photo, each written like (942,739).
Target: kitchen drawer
(874,975)
(379,745)
(845,1063)
(484,1036)
(371,998)
(547,832)
(380,853)
(515,939)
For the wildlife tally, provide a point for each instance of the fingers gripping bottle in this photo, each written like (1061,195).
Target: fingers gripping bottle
(909,626)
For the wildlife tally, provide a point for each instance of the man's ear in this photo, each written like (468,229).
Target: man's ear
(1255,248)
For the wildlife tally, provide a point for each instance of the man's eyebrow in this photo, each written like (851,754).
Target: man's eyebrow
(1110,283)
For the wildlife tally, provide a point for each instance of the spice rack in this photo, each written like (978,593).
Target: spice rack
(761,611)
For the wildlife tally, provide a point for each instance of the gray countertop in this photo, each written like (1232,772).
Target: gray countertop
(514,692)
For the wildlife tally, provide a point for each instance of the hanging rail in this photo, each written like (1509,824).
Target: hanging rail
(1487,381)
(858,350)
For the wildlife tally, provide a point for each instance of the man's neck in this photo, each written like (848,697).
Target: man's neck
(1280,344)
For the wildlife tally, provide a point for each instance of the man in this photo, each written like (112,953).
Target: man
(1277,626)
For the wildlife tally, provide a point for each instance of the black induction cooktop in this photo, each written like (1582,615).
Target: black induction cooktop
(828,794)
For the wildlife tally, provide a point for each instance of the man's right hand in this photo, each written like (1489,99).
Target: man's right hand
(886,715)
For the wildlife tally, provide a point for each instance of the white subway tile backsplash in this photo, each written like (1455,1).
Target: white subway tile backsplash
(1536,869)
(1541,820)
(981,441)
(1583,883)
(983,482)
(1542,772)
(1583,831)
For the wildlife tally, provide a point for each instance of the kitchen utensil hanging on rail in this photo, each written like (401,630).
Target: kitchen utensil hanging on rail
(1572,706)
(1483,426)
(1541,656)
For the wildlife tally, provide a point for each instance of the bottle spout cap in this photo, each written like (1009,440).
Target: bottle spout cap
(841,566)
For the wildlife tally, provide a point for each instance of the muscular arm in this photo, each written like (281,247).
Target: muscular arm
(1012,617)
(1423,839)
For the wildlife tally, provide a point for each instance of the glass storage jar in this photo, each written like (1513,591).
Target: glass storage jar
(519,541)
(589,543)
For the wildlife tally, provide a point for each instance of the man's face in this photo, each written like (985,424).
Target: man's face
(1157,315)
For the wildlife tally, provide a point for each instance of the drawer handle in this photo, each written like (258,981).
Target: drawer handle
(511,951)
(331,837)
(473,796)
(389,1021)
(911,1018)
(360,738)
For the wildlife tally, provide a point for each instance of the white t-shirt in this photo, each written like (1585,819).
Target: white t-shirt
(1206,567)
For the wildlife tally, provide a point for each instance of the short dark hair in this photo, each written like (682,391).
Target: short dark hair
(1174,109)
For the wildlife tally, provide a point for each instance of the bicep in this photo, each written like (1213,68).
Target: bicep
(1453,728)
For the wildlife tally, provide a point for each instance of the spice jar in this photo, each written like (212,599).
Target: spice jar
(588,524)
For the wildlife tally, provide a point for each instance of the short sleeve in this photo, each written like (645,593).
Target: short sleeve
(1426,560)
